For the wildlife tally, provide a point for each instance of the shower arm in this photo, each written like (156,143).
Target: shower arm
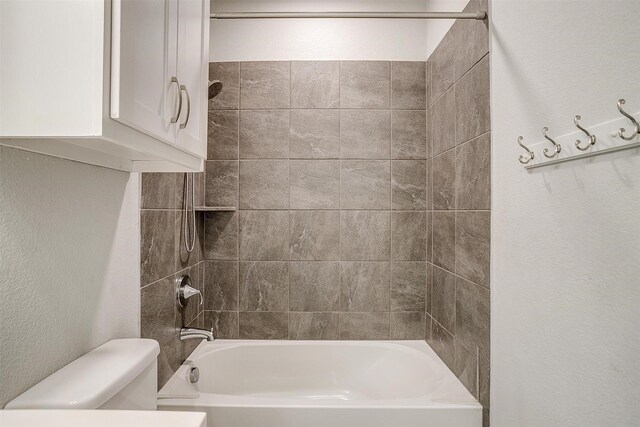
(480,15)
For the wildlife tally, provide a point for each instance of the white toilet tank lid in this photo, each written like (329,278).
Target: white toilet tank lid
(91,380)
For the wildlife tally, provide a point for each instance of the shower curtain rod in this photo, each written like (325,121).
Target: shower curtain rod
(378,15)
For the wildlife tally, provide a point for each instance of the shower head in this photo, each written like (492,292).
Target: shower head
(215,86)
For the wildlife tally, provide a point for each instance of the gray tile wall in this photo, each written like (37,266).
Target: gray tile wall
(459,160)
(327,163)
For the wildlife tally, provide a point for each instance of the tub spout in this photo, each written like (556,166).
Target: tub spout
(196,333)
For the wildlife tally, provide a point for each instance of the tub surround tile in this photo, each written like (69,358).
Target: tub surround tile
(471,39)
(441,342)
(198,190)
(265,84)
(472,251)
(221,235)
(364,286)
(472,103)
(408,286)
(221,285)
(364,326)
(407,326)
(408,85)
(473,174)
(472,316)
(264,235)
(314,286)
(443,240)
(313,326)
(314,235)
(264,286)
(184,258)
(264,134)
(157,302)
(157,245)
(483,383)
(429,137)
(223,323)
(443,66)
(408,184)
(443,123)
(364,84)
(465,367)
(365,235)
(264,184)
(221,186)
(365,134)
(429,296)
(443,299)
(158,191)
(222,135)
(427,327)
(314,184)
(365,184)
(408,231)
(229,75)
(408,134)
(444,181)
(314,134)
(263,325)
(315,84)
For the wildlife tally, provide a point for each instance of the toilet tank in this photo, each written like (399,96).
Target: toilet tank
(121,374)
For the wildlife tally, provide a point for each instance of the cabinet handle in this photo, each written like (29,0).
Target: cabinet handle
(186,121)
(175,119)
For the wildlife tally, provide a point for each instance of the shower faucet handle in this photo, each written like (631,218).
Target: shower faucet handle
(184,290)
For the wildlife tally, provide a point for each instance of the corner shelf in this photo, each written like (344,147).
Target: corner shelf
(215,208)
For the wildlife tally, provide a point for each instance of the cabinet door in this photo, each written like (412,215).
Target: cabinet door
(192,66)
(144,44)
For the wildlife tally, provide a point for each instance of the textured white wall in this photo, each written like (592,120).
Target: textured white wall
(69,263)
(565,239)
(323,39)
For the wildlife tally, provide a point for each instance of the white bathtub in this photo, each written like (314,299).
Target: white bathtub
(321,384)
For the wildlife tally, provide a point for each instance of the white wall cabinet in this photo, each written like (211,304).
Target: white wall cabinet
(116,83)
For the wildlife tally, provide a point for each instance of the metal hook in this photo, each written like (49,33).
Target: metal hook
(636,125)
(530,154)
(592,138)
(556,146)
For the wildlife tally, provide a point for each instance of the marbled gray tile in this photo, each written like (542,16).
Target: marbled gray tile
(222,135)
(407,326)
(223,323)
(221,186)
(313,326)
(429,295)
(429,97)
(429,237)
(484,374)
(265,84)
(264,286)
(314,286)
(264,134)
(443,66)
(443,299)
(314,184)
(364,84)
(221,235)
(157,302)
(264,325)
(427,327)
(409,232)
(365,134)
(229,75)
(443,122)
(443,240)
(183,258)
(314,134)
(473,174)
(264,235)
(364,326)
(473,103)
(473,315)
(314,235)
(221,285)
(441,342)
(429,136)
(465,367)
(408,134)
(364,286)
(198,190)
(365,184)
(473,235)
(471,38)
(158,191)
(315,84)
(408,286)
(157,245)
(429,188)
(365,235)
(444,181)
(408,184)
(408,80)
(264,184)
